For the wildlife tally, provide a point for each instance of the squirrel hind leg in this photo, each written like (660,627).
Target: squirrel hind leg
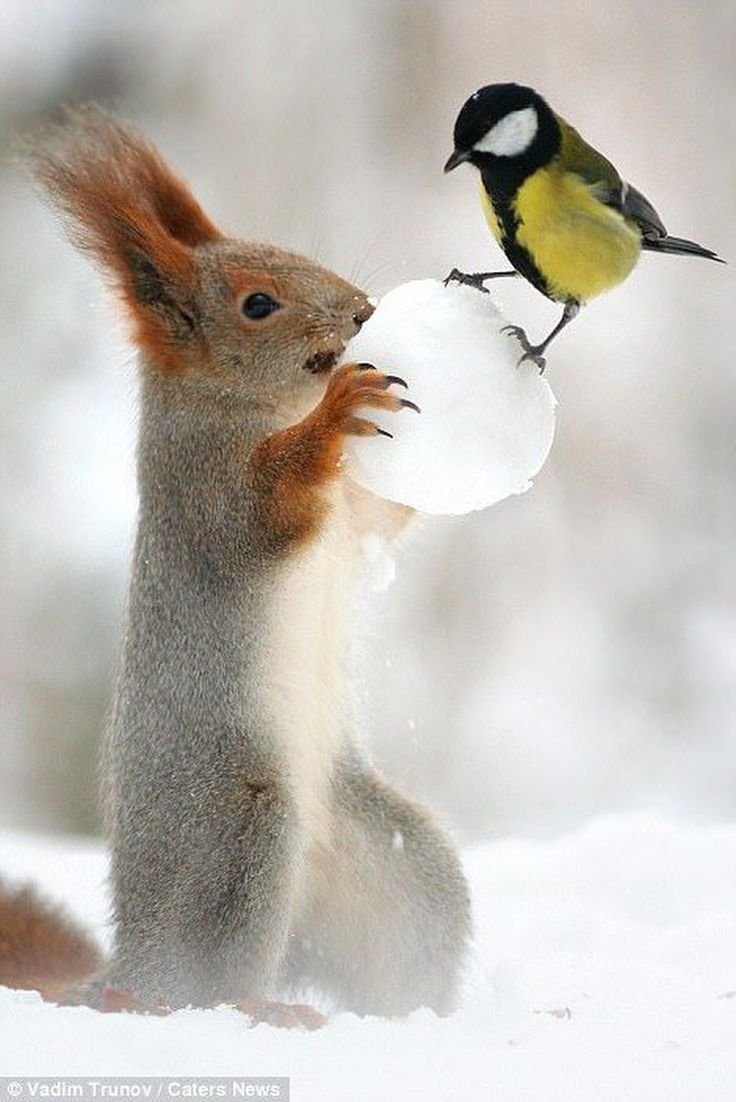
(389,922)
(41,948)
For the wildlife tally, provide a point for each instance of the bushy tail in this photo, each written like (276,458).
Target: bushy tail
(680,246)
(41,948)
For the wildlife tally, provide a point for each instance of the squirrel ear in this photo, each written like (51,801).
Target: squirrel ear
(122,204)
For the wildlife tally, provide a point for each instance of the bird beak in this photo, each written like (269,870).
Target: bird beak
(456,158)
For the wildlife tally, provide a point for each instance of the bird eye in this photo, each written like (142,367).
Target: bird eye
(259,305)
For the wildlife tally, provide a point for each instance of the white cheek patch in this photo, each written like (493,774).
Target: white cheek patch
(511,135)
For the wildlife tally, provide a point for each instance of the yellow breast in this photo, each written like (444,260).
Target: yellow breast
(580,245)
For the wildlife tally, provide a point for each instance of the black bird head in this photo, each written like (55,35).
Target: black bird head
(504,126)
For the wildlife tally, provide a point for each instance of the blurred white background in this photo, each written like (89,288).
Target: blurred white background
(569,651)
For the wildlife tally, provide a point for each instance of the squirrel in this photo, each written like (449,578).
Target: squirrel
(254,849)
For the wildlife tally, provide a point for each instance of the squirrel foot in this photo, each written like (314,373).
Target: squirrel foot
(281,1015)
(99,995)
(87,993)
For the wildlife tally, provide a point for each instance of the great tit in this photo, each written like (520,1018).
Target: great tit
(560,211)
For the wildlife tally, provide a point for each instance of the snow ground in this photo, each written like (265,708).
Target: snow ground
(604,968)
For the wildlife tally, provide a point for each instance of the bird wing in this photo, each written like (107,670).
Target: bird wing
(603,179)
(637,206)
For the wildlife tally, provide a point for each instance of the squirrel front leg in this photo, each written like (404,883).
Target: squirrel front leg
(290,469)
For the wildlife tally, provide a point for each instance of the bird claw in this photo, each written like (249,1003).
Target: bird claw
(518,332)
(534,357)
(466,279)
(533,353)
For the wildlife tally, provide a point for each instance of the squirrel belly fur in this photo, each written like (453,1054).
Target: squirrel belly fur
(253,848)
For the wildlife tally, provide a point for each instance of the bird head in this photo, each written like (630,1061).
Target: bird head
(503,125)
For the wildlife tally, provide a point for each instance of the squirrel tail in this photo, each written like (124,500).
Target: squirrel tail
(41,948)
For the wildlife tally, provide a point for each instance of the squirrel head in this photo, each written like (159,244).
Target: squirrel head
(207,310)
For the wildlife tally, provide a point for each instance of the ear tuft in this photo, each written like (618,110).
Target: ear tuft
(124,206)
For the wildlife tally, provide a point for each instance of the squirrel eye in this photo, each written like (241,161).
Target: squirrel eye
(259,305)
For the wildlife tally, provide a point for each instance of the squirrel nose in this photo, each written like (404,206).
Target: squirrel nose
(361,316)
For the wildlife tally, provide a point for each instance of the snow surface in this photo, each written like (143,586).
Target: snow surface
(604,968)
(487,423)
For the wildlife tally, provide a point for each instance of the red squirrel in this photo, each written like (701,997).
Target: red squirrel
(255,853)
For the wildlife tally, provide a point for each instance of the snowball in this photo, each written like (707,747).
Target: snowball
(486,425)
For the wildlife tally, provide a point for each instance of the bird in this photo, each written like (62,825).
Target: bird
(564,217)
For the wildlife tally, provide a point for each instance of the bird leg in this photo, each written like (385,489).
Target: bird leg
(535,352)
(475,279)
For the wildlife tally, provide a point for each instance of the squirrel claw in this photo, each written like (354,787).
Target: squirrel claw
(352,388)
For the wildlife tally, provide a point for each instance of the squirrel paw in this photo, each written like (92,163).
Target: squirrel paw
(281,1015)
(357,385)
(88,993)
(99,995)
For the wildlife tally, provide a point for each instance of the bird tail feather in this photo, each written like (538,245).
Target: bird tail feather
(680,246)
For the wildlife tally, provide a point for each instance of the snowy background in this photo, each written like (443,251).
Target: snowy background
(570,653)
